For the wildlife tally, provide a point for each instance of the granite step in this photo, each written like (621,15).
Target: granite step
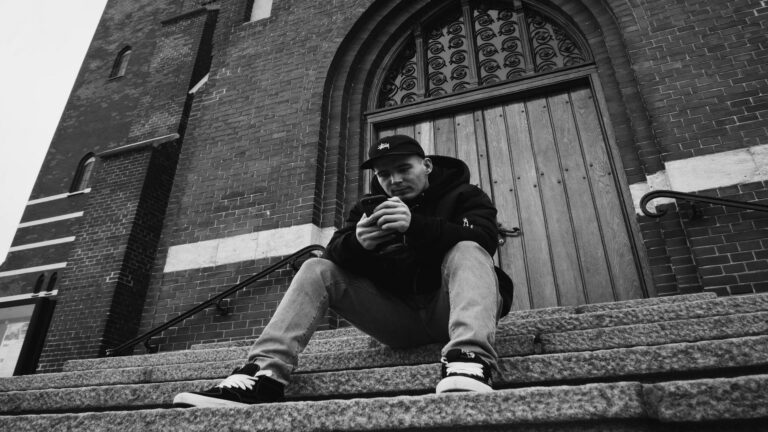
(652,314)
(525,330)
(355,340)
(318,341)
(648,363)
(623,406)
(202,368)
(515,345)
(198,364)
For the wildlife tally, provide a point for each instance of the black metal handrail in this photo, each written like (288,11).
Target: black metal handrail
(292,259)
(694,198)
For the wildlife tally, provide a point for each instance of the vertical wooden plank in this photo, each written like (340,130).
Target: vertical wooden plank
(482,154)
(534,231)
(512,253)
(600,174)
(445,136)
(595,270)
(424,136)
(557,216)
(386,132)
(466,144)
(406,129)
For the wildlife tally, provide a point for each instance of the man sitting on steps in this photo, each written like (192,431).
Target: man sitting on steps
(416,270)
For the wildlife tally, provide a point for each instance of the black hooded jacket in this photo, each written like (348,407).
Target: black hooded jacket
(450,210)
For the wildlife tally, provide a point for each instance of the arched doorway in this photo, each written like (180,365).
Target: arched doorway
(511,89)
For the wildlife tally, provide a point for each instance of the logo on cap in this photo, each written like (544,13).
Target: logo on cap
(383,146)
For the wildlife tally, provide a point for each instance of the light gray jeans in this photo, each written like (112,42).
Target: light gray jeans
(463,314)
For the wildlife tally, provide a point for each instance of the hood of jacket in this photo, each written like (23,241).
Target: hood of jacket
(447,174)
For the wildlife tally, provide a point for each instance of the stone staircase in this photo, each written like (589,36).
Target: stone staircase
(695,362)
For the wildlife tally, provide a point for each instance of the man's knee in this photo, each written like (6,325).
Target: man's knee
(466,251)
(315,271)
(316,265)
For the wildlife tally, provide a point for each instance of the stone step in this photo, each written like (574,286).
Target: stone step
(525,329)
(512,345)
(621,406)
(198,365)
(710,357)
(659,333)
(607,306)
(322,337)
(613,318)
(356,340)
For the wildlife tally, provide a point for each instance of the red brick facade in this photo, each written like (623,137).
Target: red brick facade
(273,138)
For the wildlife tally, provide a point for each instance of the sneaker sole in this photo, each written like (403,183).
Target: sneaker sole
(461,384)
(189,400)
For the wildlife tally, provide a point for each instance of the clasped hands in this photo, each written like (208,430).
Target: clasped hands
(388,221)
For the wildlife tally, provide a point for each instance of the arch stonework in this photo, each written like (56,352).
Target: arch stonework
(606,27)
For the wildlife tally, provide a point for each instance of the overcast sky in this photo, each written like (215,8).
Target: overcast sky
(42,45)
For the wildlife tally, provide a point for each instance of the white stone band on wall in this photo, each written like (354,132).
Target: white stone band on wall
(50,219)
(705,172)
(246,247)
(35,269)
(42,244)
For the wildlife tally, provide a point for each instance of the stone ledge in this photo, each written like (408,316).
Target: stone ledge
(637,361)
(634,403)
(613,318)
(350,332)
(713,356)
(691,330)
(608,306)
(153,142)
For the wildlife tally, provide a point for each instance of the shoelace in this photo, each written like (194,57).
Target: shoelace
(464,368)
(243,382)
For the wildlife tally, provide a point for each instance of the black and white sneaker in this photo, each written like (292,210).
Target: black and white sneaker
(246,386)
(464,371)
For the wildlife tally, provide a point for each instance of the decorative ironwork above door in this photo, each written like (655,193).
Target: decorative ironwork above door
(475,44)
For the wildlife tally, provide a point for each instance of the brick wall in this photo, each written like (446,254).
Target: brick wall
(702,73)
(102,290)
(251,160)
(109,265)
(701,68)
(721,249)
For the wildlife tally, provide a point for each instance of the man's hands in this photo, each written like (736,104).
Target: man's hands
(389,218)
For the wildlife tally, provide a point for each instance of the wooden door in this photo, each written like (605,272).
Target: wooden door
(544,161)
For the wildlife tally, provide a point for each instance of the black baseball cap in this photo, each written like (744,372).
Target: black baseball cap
(392,145)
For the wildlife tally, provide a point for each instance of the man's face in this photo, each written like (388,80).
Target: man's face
(404,176)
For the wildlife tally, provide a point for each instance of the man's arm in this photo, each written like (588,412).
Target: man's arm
(352,246)
(473,218)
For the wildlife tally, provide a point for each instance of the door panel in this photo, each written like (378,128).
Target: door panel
(544,162)
(445,136)
(525,186)
(626,281)
(582,207)
(569,288)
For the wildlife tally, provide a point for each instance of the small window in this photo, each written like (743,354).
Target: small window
(259,9)
(82,178)
(52,282)
(39,284)
(121,63)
